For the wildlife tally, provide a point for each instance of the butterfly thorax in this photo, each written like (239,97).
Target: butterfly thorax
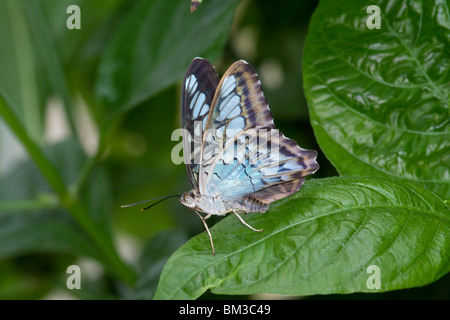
(218,206)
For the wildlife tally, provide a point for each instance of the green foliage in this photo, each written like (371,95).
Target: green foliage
(58,199)
(377,100)
(144,56)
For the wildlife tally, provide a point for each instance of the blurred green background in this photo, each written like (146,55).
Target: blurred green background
(79,95)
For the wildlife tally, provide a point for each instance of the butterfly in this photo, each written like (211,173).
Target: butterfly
(236,159)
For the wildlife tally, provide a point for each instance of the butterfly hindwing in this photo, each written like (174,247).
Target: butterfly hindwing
(268,170)
(281,174)
(199,86)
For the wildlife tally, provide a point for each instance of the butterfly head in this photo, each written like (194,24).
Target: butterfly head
(188,199)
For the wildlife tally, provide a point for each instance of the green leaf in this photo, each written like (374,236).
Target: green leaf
(11,118)
(154,45)
(41,231)
(69,160)
(379,98)
(32,219)
(74,45)
(153,258)
(18,65)
(321,240)
(66,198)
(46,47)
(44,228)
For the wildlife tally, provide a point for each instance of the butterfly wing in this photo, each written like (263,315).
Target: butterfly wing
(199,86)
(242,152)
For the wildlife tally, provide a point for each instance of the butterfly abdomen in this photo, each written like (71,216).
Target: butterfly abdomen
(250,204)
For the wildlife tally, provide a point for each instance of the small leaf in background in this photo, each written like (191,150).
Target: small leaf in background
(378,98)
(154,45)
(324,239)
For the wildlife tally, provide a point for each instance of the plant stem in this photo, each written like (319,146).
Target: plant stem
(44,165)
(105,134)
(114,262)
(69,201)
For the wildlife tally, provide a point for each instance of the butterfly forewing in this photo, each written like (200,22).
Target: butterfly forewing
(199,87)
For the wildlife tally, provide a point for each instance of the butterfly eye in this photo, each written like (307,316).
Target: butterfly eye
(188,199)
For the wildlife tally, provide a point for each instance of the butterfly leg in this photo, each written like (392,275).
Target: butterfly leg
(207,229)
(246,224)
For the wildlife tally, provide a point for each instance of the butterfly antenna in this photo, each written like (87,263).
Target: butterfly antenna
(162,199)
